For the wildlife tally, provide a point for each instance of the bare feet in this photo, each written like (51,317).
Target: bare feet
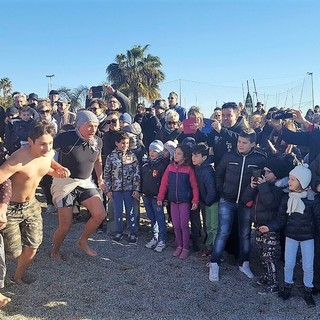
(4,300)
(56,257)
(26,279)
(83,245)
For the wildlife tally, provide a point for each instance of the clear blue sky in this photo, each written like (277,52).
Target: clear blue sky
(212,46)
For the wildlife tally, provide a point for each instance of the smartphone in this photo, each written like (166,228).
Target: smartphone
(97,91)
(257,174)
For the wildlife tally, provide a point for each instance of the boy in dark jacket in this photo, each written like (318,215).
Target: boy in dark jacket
(151,174)
(209,197)
(232,177)
(301,218)
(263,195)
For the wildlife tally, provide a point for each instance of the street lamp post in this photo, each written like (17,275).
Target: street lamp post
(311,74)
(49,82)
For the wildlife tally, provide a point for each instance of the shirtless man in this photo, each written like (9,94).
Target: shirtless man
(79,151)
(25,168)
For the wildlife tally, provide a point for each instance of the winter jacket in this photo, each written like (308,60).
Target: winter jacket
(225,140)
(164,135)
(22,129)
(234,173)
(181,111)
(315,170)
(298,226)
(151,175)
(150,126)
(181,184)
(309,139)
(264,199)
(206,180)
(122,172)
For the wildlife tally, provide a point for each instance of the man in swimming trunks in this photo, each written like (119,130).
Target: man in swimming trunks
(25,168)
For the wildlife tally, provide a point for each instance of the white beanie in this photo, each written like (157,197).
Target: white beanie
(170,146)
(303,174)
(156,145)
(85,116)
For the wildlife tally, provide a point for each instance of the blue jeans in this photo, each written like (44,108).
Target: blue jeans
(118,198)
(157,218)
(227,212)
(307,252)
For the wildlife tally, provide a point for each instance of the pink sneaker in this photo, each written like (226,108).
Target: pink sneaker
(177,252)
(184,254)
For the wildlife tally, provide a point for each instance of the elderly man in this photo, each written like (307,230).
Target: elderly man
(117,101)
(79,151)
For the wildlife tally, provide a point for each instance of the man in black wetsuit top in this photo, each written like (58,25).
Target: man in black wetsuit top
(80,152)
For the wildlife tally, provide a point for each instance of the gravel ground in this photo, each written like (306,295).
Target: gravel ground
(132,282)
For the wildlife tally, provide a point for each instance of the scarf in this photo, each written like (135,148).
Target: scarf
(295,204)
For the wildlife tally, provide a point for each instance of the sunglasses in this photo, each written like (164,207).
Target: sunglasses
(171,98)
(172,122)
(112,121)
(94,109)
(44,111)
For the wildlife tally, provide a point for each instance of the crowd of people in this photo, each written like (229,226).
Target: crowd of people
(239,172)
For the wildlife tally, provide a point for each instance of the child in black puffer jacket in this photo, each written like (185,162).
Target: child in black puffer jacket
(301,218)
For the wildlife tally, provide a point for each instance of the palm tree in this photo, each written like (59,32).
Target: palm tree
(136,75)
(76,96)
(5,87)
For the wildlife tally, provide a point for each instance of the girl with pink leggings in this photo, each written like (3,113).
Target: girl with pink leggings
(180,184)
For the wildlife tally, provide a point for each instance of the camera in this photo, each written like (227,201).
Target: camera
(258,173)
(280,115)
(97,91)
(148,109)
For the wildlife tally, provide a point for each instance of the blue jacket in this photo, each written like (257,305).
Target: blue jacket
(206,179)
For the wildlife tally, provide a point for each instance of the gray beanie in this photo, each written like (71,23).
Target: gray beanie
(85,116)
(156,145)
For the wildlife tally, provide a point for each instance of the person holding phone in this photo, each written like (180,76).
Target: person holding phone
(263,196)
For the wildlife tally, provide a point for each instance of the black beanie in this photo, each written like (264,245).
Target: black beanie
(278,167)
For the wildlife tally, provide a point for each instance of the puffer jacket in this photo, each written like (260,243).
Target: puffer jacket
(234,172)
(264,199)
(299,227)
(122,172)
(206,179)
(181,184)
(151,175)
(225,140)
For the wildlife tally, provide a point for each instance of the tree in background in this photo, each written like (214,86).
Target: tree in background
(5,91)
(76,96)
(136,75)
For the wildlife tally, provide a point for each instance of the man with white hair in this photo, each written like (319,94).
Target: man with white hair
(79,151)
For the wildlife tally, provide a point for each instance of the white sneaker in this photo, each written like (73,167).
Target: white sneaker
(51,209)
(214,272)
(160,246)
(245,268)
(152,243)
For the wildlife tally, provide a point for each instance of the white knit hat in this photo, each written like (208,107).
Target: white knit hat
(303,174)
(170,146)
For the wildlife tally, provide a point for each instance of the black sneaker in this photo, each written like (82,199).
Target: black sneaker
(286,292)
(308,298)
(132,239)
(118,237)
(262,281)
(268,290)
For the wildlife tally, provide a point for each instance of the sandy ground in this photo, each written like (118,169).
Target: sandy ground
(132,282)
